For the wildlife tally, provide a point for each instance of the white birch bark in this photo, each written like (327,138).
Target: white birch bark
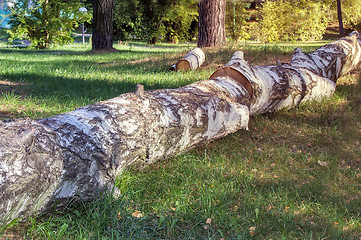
(78,153)
(307,77)
(192,61)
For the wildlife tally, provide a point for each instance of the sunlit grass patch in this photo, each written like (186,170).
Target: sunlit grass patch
(294,175)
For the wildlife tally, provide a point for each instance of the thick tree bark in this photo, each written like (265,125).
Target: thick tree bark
(211,23)
(102,37)
(78,153)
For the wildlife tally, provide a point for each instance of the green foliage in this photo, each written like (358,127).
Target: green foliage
(167,20)
(180,21)
(351,10)
(127,18)
(45,22)
(237,15)
(292,20)
(312,22)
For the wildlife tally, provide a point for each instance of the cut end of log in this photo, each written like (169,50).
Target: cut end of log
(183,65)
(236,75)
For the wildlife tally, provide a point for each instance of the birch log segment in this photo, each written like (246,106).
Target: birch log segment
(78,153)
(193,60)
(307,77)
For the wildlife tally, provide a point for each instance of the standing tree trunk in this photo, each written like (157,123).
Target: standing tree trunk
(78,153)
(102,38)
(211,23)
(339,16)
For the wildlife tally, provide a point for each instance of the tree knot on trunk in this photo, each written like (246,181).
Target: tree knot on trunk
(139,90)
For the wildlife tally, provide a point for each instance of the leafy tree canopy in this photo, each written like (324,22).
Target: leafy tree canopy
(46,22)
(169,20)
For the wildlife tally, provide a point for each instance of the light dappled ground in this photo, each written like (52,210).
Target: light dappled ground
(294,175)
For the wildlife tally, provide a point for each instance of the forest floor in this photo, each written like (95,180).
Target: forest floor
(294,175)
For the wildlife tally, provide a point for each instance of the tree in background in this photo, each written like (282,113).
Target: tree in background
(292,20)
(180,21)
(153,13)
(128,18)
(237,15)
(339,16)
(102,38)
(156,20)
(351,14)
(211,23)
(45,22)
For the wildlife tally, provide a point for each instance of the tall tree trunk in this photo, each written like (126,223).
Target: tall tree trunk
(102,38)
(339,16)
(78,153)
(211,23)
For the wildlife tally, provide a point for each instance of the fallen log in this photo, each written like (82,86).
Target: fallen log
(192,61)
(76,154)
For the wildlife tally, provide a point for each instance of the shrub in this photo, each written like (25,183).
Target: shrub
(237,15)
(167,20)
(292,20)
(45,22)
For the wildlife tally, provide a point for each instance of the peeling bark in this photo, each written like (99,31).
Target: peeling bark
(78,153)
(307,77)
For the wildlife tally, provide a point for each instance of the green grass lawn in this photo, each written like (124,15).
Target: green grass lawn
(294,175)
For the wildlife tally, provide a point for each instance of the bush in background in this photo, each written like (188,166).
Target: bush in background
(292,20)
(45,22)
(154,20)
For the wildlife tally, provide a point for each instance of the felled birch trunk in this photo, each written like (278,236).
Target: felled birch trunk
(193,60)
(76,154)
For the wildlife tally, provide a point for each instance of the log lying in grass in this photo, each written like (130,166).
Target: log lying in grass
(193,60)
(78,153)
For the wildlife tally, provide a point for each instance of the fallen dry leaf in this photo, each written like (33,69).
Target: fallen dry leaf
(252,231)
(137,214)
(323,164)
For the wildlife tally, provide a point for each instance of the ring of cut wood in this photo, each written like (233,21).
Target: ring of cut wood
(183,65)
(236,75)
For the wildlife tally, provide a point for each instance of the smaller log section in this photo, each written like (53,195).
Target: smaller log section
(309,76)
(192,61)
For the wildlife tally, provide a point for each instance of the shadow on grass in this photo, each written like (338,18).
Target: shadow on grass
(28,52)
(45,82)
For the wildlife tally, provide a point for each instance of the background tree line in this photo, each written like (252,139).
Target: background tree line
(52,21)
(277,20)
